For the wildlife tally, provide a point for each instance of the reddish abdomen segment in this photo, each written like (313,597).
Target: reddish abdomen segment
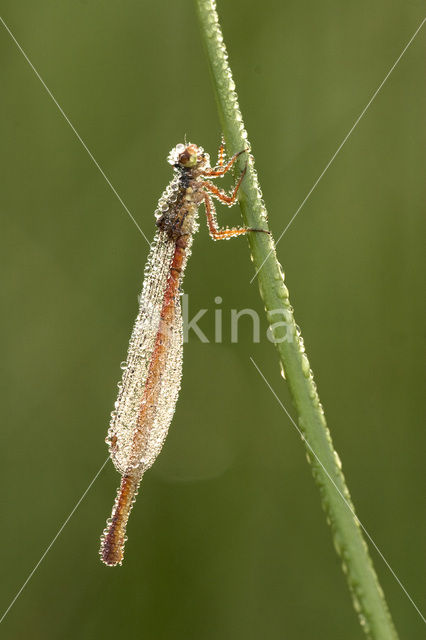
(114,537)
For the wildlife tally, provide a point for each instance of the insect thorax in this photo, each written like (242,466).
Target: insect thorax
(177,209)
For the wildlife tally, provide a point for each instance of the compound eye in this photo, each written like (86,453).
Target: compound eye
(188,158)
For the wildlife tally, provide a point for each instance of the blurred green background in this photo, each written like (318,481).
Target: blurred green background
(227,539)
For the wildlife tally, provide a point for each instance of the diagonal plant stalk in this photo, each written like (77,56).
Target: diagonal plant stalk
(367,595)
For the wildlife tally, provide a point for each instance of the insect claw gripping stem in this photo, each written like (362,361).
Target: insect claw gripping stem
(152,372)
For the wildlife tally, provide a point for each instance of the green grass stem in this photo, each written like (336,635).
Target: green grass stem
(367,595)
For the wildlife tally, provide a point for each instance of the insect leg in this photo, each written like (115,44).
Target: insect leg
(221,153)
(221,195)
(214,173)
(216,232)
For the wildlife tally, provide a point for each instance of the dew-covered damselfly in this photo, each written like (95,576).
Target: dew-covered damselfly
(152,371)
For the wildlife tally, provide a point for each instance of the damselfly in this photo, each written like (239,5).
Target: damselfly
(152,372)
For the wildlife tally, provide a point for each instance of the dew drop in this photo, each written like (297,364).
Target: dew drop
(305,366)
